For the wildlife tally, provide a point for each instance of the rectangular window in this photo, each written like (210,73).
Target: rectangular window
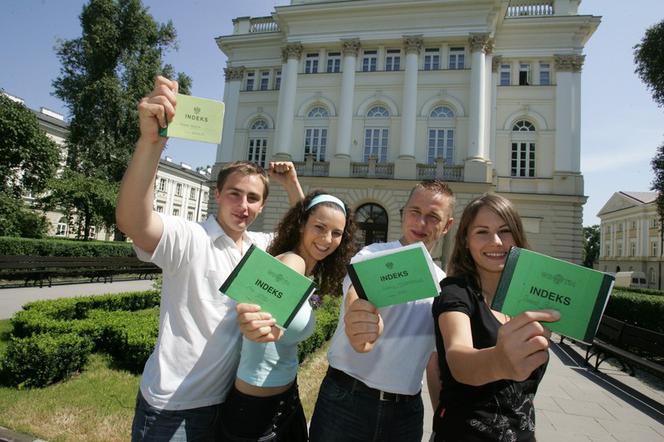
(192,193)
(176,211)
(393,60)
(619,249)
(441,145)
(653,248)
(334,62)
(545,74)
(93,232)
(457,58)
(654,223)
(315,142)
(190,216)
(523,159)
(257,151)
(524,74)
(162,185)
(277,80)
(61,230)
(431,59)
(311,63)
(369,61)
(205,197)
(160,209)
(632,249)
(178,189)
(375,144)
(505,74)
(265,80)
(249,84)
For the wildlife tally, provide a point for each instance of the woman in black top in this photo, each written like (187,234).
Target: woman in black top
(490,364)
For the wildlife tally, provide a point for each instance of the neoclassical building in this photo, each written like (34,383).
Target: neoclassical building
(370,96)
(630,236)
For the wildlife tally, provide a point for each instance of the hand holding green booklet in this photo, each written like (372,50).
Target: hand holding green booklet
(197,119)
(259,278)
(394,276)
(532,281)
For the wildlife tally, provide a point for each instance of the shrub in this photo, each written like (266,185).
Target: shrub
(327,316)
(63,247)
(43,359)
(639,309)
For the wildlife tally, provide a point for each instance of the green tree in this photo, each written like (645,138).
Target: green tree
(657,164)
(649,59)
(28,158)
(590,245)
(91,198)
(104,74)
(18,220)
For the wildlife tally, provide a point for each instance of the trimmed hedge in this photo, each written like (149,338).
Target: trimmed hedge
(643,310)
(53,338)
(40,360)
(63,247)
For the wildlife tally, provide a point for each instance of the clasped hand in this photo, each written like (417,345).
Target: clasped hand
(256,325)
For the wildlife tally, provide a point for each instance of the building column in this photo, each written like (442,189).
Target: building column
(340,163)
(406,166)
(477,167)
(234,77)
(286,108)
(495,78)
(567,169)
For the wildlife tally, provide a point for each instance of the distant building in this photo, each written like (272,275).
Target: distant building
(370,96)
(630,236)
(179,190)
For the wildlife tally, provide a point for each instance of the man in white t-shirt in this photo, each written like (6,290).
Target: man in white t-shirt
(377,358)
(194,362)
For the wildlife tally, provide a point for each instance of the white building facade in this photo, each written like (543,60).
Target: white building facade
(181,191)
(630,236)
(370,96)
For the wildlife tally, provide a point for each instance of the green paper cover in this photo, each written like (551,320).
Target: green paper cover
(394,276)
(260,278)
(196,119)
(533,281)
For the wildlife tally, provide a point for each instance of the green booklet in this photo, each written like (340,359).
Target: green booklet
(260,278)
(394,276)
(532,281)
(197,119)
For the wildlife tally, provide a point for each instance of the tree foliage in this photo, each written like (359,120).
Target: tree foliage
(657,164)
(590,245)
(16,219)
(28,158)
(104,74)
(649,59)
(91,198)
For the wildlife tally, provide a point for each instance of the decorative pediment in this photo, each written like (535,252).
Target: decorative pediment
(618,201)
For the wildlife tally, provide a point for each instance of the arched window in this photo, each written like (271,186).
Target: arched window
(372,222)
(441,135)
(522,162)
(315,133)
(257,151)
(376,134)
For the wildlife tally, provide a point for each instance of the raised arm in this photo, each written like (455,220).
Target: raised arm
(134,214)
(522,346)
(284,173)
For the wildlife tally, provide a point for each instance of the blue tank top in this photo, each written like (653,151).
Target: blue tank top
(274,364)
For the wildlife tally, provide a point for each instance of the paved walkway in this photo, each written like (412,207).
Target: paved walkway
(574,403)
(12,299)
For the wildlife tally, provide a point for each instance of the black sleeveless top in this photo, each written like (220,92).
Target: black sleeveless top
(498,411)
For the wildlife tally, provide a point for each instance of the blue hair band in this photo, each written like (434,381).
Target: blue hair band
(325,198)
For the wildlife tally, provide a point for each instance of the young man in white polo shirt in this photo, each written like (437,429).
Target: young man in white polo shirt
(195,359)
(377,358)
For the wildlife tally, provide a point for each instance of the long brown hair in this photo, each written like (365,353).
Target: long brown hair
(461,263)
(329,272)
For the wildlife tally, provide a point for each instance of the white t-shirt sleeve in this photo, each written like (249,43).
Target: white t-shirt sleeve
(177,245)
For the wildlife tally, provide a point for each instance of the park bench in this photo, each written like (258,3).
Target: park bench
(40,269)
(629,344)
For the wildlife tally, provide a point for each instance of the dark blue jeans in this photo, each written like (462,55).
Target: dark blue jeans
(194,425)
(343,415)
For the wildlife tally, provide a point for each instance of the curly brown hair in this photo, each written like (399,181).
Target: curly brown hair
(461,263)
(329,272)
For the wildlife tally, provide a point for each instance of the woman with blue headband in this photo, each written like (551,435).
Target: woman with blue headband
(315,238)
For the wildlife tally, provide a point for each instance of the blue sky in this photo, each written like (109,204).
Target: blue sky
(621,125)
